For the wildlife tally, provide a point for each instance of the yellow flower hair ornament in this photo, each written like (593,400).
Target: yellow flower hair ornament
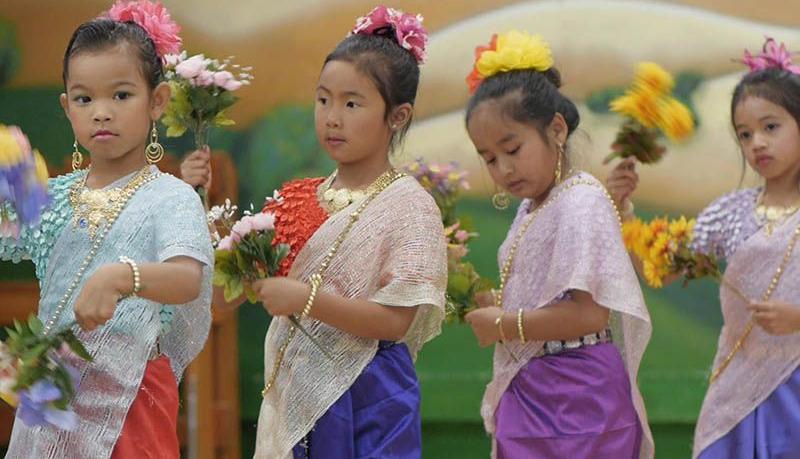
(512,50)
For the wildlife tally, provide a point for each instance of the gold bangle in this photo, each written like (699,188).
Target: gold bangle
(520,329)
(499,323)
(315,282)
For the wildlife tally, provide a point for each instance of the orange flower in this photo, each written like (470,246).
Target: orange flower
(474,79)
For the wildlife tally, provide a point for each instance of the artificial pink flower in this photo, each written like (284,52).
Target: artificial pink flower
(205,78)
(9,229)
(456,251)
(191,67)
(154,19)
(243,227)
(407,29)
(263,221)
(462,236)
(772,56)
(21,139)
(226,243)
(172,60)
(226,81)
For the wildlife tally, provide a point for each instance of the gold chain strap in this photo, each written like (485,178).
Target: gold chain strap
(381,183)
(767,294)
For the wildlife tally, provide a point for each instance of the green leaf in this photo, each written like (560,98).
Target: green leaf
(77,347)
(234,289)
(35,325)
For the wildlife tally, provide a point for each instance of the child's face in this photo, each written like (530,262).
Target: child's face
(769,138)
(350,114)
(516,154)
(109,103)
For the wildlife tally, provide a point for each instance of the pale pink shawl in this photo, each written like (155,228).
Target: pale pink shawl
(574,244)
(764,361)
(395,255)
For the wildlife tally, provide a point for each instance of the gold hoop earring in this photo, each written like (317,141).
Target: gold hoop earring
(501,200)
(559,161)
(77,156)
(154,151)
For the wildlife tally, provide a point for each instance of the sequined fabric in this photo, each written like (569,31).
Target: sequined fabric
(164,219)
(298,215)
(726,223)
(574,244)
(35,243)
(395,255)
(764,361)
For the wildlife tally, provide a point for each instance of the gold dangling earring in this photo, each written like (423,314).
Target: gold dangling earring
(77,156)
(501,200)
(559,160)
(154,151)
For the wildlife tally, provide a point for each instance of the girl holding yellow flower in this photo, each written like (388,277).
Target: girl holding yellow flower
(752,408)
(561,387)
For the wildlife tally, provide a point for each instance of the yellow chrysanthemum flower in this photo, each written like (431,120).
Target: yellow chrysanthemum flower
(659,225)
(660,251)
(640,104)
(642,245)
(653,275)
(10,151)
(632,233)
(681,228)
(515,51)
(653,77)
(674,119)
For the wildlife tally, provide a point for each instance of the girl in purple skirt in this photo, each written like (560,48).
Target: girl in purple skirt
(569,312)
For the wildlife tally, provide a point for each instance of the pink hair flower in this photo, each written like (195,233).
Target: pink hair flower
(407,29)
(772,56)
(154,19)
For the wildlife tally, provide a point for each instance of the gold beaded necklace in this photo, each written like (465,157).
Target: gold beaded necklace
(771,216)
(334,200)
(380,184)
(92,209)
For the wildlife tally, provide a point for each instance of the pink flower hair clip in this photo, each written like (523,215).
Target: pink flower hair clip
(772,56)
(154,19)
(407,29)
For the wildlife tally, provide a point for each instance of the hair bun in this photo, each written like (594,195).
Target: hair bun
(553,76)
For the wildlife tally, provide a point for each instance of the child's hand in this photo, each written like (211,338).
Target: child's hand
(485,299)
(196,169)
(776,317)
(282,296)
(622,181)
(483,324)
(98,299)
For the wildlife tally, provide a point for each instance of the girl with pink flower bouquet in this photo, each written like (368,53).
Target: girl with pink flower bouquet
(367,267)
(124,250)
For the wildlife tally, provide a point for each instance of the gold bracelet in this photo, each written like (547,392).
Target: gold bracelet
(315,282)
(519,327)
(499,323)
